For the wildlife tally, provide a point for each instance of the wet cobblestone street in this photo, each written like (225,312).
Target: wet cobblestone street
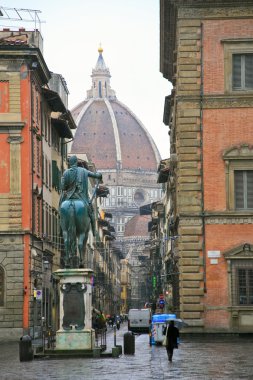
(203,360)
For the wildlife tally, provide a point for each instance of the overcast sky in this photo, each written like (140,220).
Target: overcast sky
(128,31)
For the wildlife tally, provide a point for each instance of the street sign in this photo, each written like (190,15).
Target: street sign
(38,294)
(161,302)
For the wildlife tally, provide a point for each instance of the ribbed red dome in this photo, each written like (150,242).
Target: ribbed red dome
(137,226)
(109,133)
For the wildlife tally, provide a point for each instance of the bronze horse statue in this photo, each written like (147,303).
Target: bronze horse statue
(76,212)
(75,225)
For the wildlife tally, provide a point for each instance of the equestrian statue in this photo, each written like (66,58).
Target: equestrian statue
(76,212)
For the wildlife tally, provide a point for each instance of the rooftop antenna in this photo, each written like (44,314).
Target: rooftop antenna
(21,14)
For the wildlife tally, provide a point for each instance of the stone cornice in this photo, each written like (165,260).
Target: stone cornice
(11,127)
(208,3)
(214,10)
(228,101)
(32,54)
(222,217)
(229,220)
(242,100)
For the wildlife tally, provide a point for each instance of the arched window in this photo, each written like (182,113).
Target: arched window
(100,89)
(1,286)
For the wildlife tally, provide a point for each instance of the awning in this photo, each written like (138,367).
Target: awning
(146,209)
(163,175)
(54,100)
(62,128)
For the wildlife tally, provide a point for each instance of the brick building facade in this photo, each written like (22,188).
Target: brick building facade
(207,54)
(30,140)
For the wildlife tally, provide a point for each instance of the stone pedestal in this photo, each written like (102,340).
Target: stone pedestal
(75,331)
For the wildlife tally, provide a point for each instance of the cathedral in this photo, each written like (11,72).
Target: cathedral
(121,148)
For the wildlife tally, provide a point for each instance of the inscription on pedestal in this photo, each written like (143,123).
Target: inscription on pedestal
(73,305)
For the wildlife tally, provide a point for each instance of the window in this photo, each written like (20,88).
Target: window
(243,189)
(239,177)
(56,176)
(100,89)
(245,286)
(240,269)
(242,71)
(119,191)
(238,64)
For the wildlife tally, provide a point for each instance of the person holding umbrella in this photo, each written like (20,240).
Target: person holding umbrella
(172,334)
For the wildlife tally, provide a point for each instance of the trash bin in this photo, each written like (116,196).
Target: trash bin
(129,344)
(25,348)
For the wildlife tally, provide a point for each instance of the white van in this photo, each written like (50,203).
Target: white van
(139,320)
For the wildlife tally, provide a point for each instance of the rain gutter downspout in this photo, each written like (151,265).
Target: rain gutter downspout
(32,158)
(202,156)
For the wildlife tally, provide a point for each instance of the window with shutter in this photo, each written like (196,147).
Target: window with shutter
(243,189)
(55,175)
(238,64)
(242,71)
(239,177)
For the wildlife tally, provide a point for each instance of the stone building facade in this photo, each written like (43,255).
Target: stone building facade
(207,54)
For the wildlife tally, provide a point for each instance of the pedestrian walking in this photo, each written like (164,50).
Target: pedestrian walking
(172,335)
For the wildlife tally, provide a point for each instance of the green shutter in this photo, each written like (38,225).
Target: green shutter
(56,176)
(59,179)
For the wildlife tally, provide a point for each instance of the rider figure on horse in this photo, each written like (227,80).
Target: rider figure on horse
(74,185)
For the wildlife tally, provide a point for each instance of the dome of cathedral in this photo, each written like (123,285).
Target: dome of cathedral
(137,226)
(108,131)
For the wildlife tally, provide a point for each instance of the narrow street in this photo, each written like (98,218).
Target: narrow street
(195,359)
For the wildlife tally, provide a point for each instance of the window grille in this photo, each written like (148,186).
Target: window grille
(242,282)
